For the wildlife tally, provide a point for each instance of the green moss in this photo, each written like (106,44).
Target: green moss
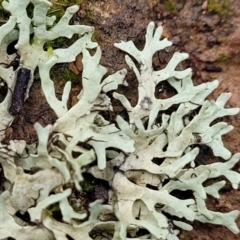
(223,58)
(96,36)
(59,7)
(54,211)
(169,6)
(87,186)
(219,7)
(68,75)
(62,73)
(53,208)
(61,42)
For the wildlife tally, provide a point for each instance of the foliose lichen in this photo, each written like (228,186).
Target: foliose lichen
(43,181)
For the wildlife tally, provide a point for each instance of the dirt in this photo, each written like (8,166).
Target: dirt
(210,35)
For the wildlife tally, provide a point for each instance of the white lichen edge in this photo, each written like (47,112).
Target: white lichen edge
(61,156)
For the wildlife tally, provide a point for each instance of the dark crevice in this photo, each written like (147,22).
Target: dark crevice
(151,187)
(158,161)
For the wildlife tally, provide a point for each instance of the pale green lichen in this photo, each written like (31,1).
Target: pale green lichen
(122,154)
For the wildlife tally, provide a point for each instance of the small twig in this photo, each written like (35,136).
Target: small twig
(3,21)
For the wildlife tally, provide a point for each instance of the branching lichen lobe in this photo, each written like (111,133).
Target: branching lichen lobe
(139,160)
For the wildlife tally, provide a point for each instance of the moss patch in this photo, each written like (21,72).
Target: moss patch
(219,7)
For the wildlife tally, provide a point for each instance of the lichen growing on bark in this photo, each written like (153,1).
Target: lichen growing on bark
(141,159)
